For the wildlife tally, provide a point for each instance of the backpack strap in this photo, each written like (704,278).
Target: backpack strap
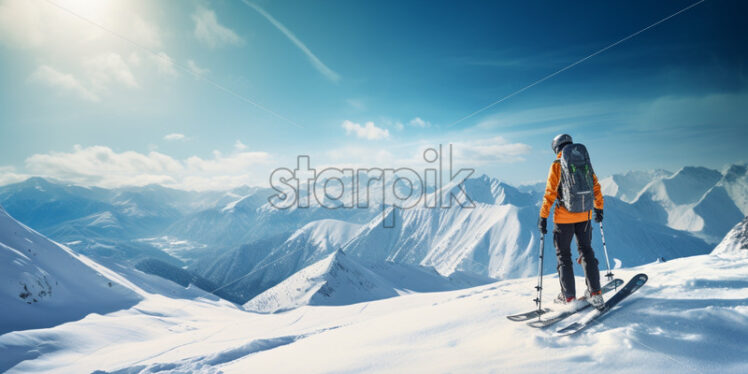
(559,195)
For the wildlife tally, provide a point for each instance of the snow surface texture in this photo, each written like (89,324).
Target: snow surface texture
(692,316)
(735,242)
(43,283)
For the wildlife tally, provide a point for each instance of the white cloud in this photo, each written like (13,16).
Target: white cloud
(232,164)
(79,59)
(65,82)
(368,131)
(211,33)
(316,62)
(107,68)
(8,175)
(239,146)
(102,166)
(175,136)
(99,165)
(164,64)
(195,69)
(418,122)
(98,74)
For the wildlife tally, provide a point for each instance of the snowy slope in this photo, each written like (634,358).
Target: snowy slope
(692,316)
(43,283)
(339,279)
(735,242)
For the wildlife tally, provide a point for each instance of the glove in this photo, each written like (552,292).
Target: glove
(542,223)
(598,215)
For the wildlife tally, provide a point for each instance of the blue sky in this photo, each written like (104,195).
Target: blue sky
(362,84)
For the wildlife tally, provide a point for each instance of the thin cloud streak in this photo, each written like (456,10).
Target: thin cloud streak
(318,64)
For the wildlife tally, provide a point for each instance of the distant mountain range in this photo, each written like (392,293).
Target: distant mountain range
(702,201)
(238,241)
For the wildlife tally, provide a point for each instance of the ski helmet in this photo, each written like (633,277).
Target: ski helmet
(560,141)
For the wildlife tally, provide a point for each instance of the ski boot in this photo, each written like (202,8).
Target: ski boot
(595,298)
(562,299)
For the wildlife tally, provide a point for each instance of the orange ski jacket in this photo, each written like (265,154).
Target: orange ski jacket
(561,215)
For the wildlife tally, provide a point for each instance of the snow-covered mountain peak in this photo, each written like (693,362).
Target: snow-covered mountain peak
(104,219)
(485,190)
(334,280)
(340,279)
(735,171)
(690,183)
(735,242)
(735,182)
(326,233)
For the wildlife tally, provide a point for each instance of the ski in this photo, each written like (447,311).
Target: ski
(578,306)
(634,284)
(528,315)
(537,313)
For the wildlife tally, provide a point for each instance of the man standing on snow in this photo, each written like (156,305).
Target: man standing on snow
(573,186)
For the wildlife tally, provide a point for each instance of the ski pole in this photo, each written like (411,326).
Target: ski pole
(605,248)
(539,287)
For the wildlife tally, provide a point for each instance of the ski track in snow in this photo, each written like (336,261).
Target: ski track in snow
(208,364)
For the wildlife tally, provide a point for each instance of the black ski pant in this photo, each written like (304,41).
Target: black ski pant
(562,235)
